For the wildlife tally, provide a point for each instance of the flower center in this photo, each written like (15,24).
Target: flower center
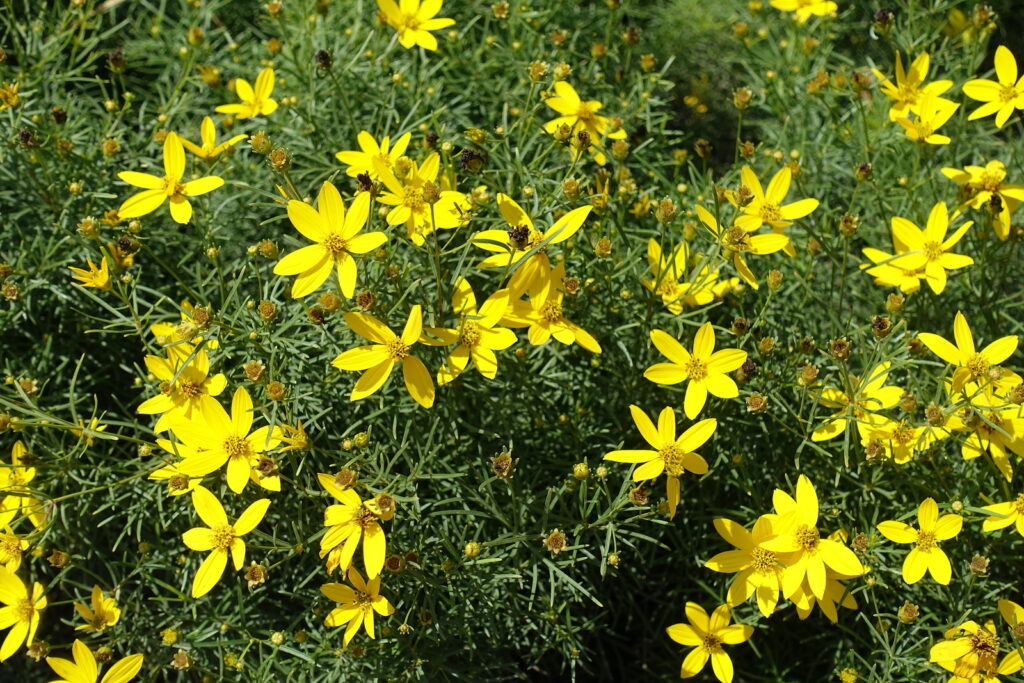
(413,198)
(763,561)
(411,22)
(711,643)
(696,369)
(335,244)
(925,540)
(397,349)
(978,365)
(907,94)
(770,212)
(668,288)
(673,457)
(585,112)
(237,447)
(807,537)
(190,389)
(363,600)
(990,181)
(736,238)
(903,434)
(223,537)
(24,610)
(984,643)
(933,250)
(10,545)
(173,186)
(922,129)
(1018,504)
(365,518)
(1007,93)
(551,311)
(177,482)
(469,333)
(99,621)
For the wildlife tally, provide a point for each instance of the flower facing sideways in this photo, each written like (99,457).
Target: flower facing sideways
(208,150)
(544,316)
(104,612)
(98,278)
(370,153)
(85,670)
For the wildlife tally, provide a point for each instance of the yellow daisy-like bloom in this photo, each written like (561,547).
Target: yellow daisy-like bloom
(358,604)
(169,188)
(338,241)
(104,612)
(379,359)
(933,113)
(178,483)
(987,189)
(12,547)
(705,370)
(87,433)
(836,595)
(865,397)
(928,249)
(179,341)
(545,318)
(1002,515)
(581,116)
(926,556)
(9,96)
(898,441)
(477,336)
(209,150)
(352,521)
(414,20)
(370,154)
(758,570)
(739,241)
(412,209)
(669,279)
(766,206)
(14,480)
(671,455)
(98,278)
(85,670)
(971,651)
(183,390)
(707,636)
(1001,97)
(20,612)
(219,537)
(512,246)
(217,439)
(805,9)
(995,433)
(910,87)
(256,100)
(886,270)
(971,365)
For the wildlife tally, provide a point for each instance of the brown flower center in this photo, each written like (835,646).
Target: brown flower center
(807,537)
(173,187)
(1018,504)
(190,389)
(978,365)
(469,333)
(223,537)
(696,368)
(551,311)
(237,447)
(770,212)
(365,518)
(335,244)
(763,561)
(925,540)
(397,349)
(413,198)
(711,642)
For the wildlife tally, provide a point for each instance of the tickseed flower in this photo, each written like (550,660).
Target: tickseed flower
(98,278)
(932,114)
(210,150)
(104,612)
(1002,515)
(93,426)
(14,480)
(993,433)
(184,390)
(477,336)
(704,370)
(352,521)
(669,279)
(865,396)
(255,100)
(219,537)
(545,318)
(671,455)
(512,246)
(178,483)
(1001,97)
(379,359)
(358,603)
(411,208)
(910,88)
(898,441)
(581,116)
(758,570)
(20,612)
(84,669)
(986,182)
(217,439)
(12,547)
(836,594)
(971,651)
(739,241)
(766,205)
(929,248)
(926,556)
(170,187)
(971,365)
(338,239)
(364,160)
(805,9)
(9,96)
(707,636)
(414,20)
(888,271)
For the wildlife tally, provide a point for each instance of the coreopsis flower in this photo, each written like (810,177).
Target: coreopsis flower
(988,189)
(178,483)
(581,116)
(412,208)
(544,316)
(971,652)
(836,595)
(179,341)
(933,113)
(370,153)
(670,279)
(338,238)
(17,501)
(672,456)
(103,614)
(9,96)
(20,612)
(926,555)
(85,670)
(358,604)
(738,241)
(87,433)
(219,537)
(899,440)
(704,370)
(414,20)
(477,336)
(168,188)
(910,87)
(805,9)
(758,570)
(1002,515)
(766,207)
(866,396)
(971,365)
(209,149)
(352,521)
(256,99)
(1001,97)
(217,438)
(12,547)
(295,438)
(512,248)
(888,271)
(995,433)
(98,278)
(707,636)
(379,358)
(183,390)
(929,249)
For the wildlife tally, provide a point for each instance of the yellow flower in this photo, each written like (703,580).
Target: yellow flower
(910,88)
(217,438)
(671,455)
(338,240)
(545,318)
(739,241)
(255,100)
(412,209)
(414,20)
(971,650)
(348,524)
(12,547)
(379,359)
(836,595)
(17,502)
(9,95)
(93,277)
(971,365)
(926,556)
(766,205)
(365,160)
(928,249)
(988,190)
(705,370)
(888,272)
(1001,97)
(178,483)
(170,187)
(295,437)
(1002,515)
(84,669)
(221,537)
(104,612)
(581,116)
(669,279)
(993,433)
(358,603)
(20,612)
(707,636)
(857,403)
(183,390)
(932,114)
(179,341)
(83,431)
(210,150)
(477,336)
(805,9)
(758,570)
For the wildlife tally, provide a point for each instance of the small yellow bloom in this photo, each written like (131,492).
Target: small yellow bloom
(1001,97)
(738,241)
(93,277)
(581,117)
(20,613)
(210,150)
(544,316)
(910,87)
(370,154)
(9,95)
(104,612)
(352,521)
(926,556)
(868,396)
(411,208)
(970,651)
(1002,515)
(414,20)
(766,207)
(707,636)
(358,604)
(84,669)
(929,249)
(933,113)
(805,9)
(987,189)
(256,100)
(971,365)
(183,390)
(758,570)
(12,547)
(17,502)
